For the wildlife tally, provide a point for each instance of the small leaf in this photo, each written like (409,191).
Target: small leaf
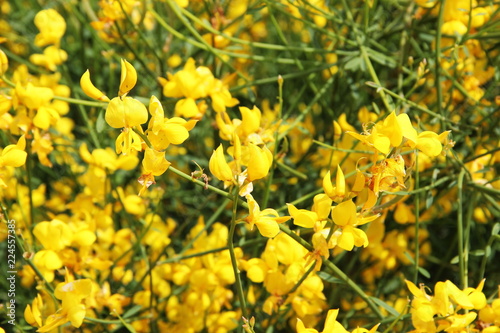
(429,201)
(100,122)
(354,64)
(410,258)
(424,272)
(488,251)
(329,278)
(454,260)
(386,306)
(132,311)
(496,229)
(477,253)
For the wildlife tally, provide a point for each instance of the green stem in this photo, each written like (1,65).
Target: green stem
(417,219)
(460,231)
(437,59)
(81,101)
(29,166)
(276,142)
(234,262)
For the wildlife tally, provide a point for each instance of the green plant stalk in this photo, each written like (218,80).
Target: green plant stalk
(437,59)
(401,316)
(460,231)
(176,259)
(417,220)
(29,183)
(302,279)
(234,262)
(468,222)
(81,102)
(485,257)
(276,143)
(291,170)
(373,74)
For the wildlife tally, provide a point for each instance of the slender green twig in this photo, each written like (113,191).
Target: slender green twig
(417,220)
(460,230)
(437,60)
(234,262)
(276,143)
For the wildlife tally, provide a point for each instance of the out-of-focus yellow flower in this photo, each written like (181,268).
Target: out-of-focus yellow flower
(33,97)
(4,63)
(42,146)
(32,313)
(52,57)
(14,155)
(54,235)
(52,27)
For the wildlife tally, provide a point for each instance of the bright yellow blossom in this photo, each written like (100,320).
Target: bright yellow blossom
(266,220)
(344,215)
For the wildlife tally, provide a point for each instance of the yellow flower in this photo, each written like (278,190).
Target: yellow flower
(14,155)
(308,218)
(344,215)
(266,221)
(338,192)
(89,89)
(51,57)
(33,97)
(32,313)
(71,293)
(128,78)
(384,135)
(154,164)
(260,161)
(219,167)
(4,63)
(52,27)
(125,112)
(164,131)
(250,121)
